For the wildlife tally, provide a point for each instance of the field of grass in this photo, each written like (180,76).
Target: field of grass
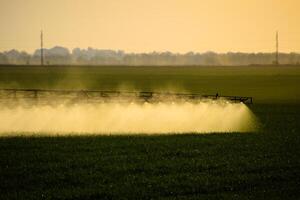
(265,84)
(264,164)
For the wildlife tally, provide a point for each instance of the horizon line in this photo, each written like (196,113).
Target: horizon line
(149,52)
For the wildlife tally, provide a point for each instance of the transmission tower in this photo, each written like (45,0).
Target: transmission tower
(277,53)
(42,50)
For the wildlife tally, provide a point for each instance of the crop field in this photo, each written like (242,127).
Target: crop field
(264,164)
(265,84)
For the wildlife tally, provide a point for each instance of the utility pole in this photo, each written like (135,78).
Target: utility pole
(42,50)
(277,46)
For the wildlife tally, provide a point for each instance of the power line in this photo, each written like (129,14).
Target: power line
(277,46)
(42,50)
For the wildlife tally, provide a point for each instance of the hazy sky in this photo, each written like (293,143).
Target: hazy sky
(152,25)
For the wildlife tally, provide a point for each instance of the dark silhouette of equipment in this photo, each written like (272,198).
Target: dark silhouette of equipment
(102,95)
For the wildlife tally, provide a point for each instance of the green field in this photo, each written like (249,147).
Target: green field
(260,165)
(264,84)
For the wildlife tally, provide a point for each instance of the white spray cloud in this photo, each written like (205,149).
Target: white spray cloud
(126,118)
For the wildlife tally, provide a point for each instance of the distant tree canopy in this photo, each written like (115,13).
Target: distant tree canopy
(61,55)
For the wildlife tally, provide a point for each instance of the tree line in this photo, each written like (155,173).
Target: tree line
(90,56)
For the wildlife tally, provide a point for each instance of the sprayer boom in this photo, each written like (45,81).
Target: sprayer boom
(107,95)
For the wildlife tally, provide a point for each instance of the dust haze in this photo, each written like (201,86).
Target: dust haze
(109,118)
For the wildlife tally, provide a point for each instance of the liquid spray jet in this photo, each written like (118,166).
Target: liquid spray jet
(126,118)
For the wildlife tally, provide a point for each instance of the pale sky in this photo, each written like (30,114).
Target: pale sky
(152,25)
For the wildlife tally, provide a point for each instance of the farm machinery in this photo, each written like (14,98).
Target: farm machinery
(109,95)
